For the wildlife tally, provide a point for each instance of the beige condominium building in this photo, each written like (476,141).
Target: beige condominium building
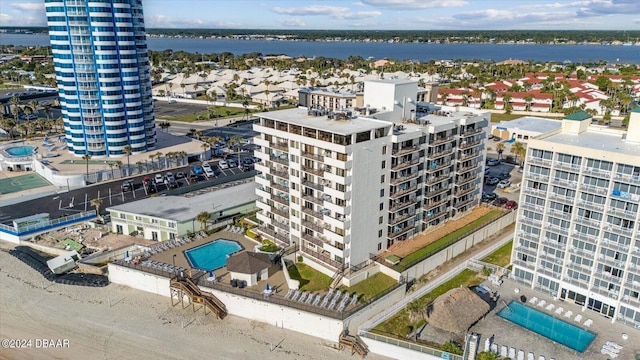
(344,185)
(577,234)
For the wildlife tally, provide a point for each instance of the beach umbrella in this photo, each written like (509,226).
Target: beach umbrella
(210,273)
(268,287)
(126,254)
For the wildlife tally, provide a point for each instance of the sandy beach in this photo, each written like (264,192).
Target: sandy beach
(116,322)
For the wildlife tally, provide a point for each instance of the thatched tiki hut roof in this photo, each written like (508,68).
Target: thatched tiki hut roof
(456,310)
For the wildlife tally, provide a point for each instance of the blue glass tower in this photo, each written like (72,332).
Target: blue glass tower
(102,69)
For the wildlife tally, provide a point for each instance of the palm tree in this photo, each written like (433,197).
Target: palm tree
(205,146)
(97,202)
(127,151)
(111,165)
(139,165)
(235,141)
(517,149)
(119,165)
(158,156)
(15,107)
(35,106)
(500,150)
(203,218)
(87,157)
(506,98)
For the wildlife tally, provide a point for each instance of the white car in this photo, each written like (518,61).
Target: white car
(208,170)
(504,184)
(493,162)
(223,165)
(159,179)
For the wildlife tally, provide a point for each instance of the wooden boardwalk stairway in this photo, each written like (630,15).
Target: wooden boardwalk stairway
(185,286)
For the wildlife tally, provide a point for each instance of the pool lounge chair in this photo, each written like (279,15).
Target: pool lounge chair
(530,356)
(512,353)
(559,310)
(289,292)
(588,322)
(578,318)
(568,314)
(542,303)
(520,355)
(487,344)
(533,300)
(494,348)
(550,307)
(541,357)
(503,351)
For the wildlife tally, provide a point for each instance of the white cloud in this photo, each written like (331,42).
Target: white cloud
(359,15)
(607,7)
(311,10)
(357,3)
(292,22)
(29,6)
(163,21)
(414,4)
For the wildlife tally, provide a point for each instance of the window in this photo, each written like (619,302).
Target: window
(382,178)
(154,221)
(381,192)
(379,246)
(379,233)
(384,150)
(138,218)
(384,164)
(381,206)
(380,220)
(123,216)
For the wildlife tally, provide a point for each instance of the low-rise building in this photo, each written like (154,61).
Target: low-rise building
(162,218)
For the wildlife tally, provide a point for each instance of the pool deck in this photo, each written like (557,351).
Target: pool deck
(512,335)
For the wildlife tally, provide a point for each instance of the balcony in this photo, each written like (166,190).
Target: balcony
(462,170)
(401,205)
(618,230)
(403,178)
(539,177)
(565,183)
(631,179)
(427,218)
(435,191)
(280,160)
(313,199)
(322,258)
(431,168)
(590,205)
(610,244)
(282,174)
(462,203)
(439,141)
(462,192)
(432,204)
(279,187)
(527,264)
(311,170)
(275,210)
(567,166)
(401,218)
(562,198)
(280,199)
(313,213)
(597,172)
(279,238)
(280,225)
(315,157)
(464,180)
(405,164)
(313,185)
(399,193)
(530,221)
(436,179)
(314,240)
(559,214)
(526,250)
(539,161)
(280,146)
(469,132)
(622,213)
(313,226)
(406,150)
(593,189)
(437,154)
(404,230)
(468,144)
(578,282)
(586,221)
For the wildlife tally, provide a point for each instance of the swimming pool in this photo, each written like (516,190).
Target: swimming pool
(20,150)
(213,255)
(554,329)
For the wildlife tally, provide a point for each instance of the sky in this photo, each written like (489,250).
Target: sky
(367,14)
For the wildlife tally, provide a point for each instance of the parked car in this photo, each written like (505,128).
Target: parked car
(490,137)
(503,175)
(504,184)
(197,169)
(492,181)
(493,162)
(255,159)
(193,177)
(169,177)
(232,163)
(500,201)
(511,205)
(127,185)
(247,161)
(223,165)
(181,175)
(520,168)
(496,139)
(488,196)
(159,179)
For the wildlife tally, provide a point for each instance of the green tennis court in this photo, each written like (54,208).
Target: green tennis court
(22,182)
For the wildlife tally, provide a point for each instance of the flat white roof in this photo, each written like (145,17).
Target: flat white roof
(531,124)
(299,116)
(181,208)
(593,139)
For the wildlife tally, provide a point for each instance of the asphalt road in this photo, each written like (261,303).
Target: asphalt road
(514,176)
(111,193)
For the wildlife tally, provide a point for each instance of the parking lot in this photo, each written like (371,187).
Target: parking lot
(502,171)
(163,109)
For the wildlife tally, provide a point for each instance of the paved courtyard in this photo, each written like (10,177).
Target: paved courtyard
(509,334)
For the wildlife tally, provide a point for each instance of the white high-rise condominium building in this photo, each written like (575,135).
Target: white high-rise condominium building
(344,186)
(102,69)
(577,234)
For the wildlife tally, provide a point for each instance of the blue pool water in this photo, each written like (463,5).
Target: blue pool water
(213,255)
(20,150)
(554,329)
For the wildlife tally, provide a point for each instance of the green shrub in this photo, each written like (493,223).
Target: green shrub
(268,246)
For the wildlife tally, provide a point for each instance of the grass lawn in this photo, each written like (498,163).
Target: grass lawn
(310,279)
(224,112)
(500,257)
(400,326)
(445,241)
(371,287)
